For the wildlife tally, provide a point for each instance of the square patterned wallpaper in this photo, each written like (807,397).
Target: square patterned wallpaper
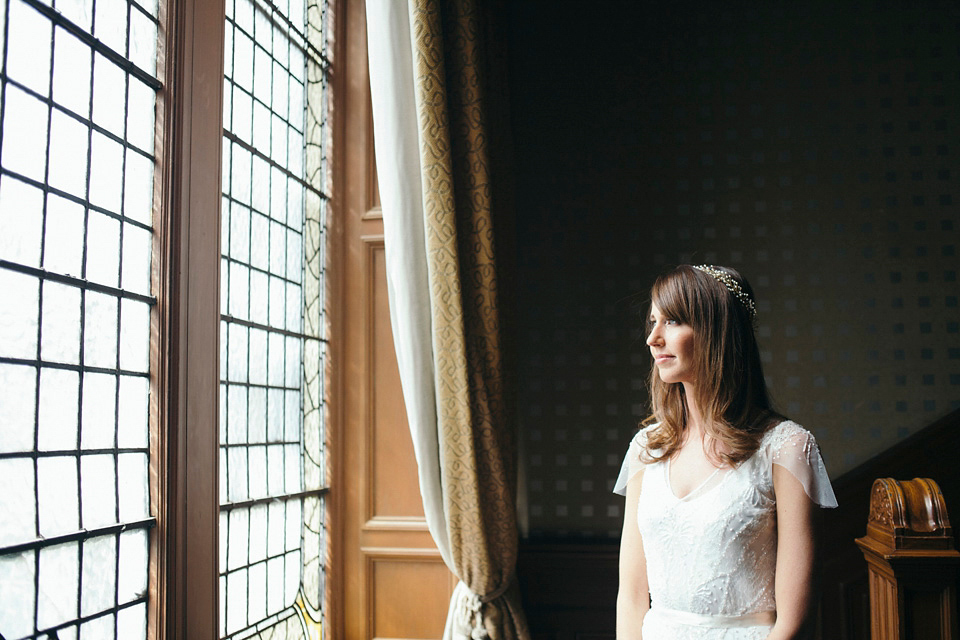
(813,146)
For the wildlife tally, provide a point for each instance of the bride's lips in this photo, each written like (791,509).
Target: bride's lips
(663,357)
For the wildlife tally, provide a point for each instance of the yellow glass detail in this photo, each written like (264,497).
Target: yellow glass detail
(313,628)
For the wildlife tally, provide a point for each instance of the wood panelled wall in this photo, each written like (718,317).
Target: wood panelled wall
(395,584)
(569,590)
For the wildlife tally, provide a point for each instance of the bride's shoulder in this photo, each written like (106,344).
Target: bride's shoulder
(786,435)
(792,447)
(783,428)
(643,435)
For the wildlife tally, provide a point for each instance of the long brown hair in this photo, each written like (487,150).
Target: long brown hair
(729,384)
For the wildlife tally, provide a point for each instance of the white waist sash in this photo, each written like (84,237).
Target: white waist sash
(758,619)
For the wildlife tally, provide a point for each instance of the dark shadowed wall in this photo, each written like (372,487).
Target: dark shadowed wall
(815,146)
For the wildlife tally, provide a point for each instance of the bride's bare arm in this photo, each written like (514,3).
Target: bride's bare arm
(795,556)
(633,597)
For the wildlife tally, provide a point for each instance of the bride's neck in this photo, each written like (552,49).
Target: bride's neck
(694,423)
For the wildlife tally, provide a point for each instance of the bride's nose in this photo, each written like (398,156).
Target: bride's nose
(654,337)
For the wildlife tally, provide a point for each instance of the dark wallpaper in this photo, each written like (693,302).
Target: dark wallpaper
(813,146)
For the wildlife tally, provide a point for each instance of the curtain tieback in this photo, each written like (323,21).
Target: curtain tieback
(493,595)
(471,609)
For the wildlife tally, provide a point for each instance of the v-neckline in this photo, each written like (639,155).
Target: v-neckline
(693,492)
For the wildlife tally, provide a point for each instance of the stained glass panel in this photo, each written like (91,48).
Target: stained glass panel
(76,192)
(273,347)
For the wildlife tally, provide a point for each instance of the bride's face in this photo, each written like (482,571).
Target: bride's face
(671,345)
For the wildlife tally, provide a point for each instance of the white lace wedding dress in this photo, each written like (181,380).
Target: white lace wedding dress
(711,556)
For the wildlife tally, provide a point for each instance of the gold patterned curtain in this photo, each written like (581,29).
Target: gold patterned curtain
(478,470)
(440,237)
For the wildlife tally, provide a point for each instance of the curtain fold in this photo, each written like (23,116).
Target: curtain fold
(428,81)
(401,198)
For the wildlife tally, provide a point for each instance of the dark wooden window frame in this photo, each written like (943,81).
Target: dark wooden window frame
(185,328)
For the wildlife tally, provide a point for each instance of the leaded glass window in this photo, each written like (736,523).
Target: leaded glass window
(273,345)
(77,113)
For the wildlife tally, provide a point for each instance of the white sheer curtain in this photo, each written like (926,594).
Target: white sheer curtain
(443,296)
(398,147)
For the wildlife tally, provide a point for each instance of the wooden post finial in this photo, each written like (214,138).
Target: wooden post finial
(911,560)
(909,514)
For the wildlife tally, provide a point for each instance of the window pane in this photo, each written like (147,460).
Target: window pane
(99,574)
(273,345)
(71,73)
(58,499)
(18,322)
(58,584)
(98,480)
(17,393)
(26,62)
(21,221)
(132,622)
(18,593)
(61,322)
(17,505)
(67,161)
(76,201)
(64,231)
(58,410)
(24,133)
(132,584)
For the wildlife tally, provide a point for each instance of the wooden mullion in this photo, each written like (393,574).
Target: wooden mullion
(185,325)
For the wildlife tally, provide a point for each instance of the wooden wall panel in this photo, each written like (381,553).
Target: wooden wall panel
(395,584)
(395,492)
(399,580)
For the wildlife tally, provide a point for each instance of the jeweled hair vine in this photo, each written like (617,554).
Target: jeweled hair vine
(732,286)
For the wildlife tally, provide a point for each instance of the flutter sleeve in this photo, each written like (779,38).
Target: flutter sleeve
(795,449)
(632,462)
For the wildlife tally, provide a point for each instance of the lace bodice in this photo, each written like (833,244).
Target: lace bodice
(714,551)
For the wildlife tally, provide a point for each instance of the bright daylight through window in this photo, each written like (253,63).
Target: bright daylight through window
(78,91)
(76,190)
(272,470)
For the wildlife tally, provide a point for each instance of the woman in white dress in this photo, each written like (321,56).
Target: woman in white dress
(719,527)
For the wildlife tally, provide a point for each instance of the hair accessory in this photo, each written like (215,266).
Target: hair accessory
(732,286)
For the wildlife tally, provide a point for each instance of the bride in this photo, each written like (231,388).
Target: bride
(719,528)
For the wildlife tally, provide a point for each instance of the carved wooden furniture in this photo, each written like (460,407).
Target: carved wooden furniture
(931,452)
(912,562)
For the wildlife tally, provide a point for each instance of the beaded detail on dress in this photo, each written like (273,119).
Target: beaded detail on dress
(714,552)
